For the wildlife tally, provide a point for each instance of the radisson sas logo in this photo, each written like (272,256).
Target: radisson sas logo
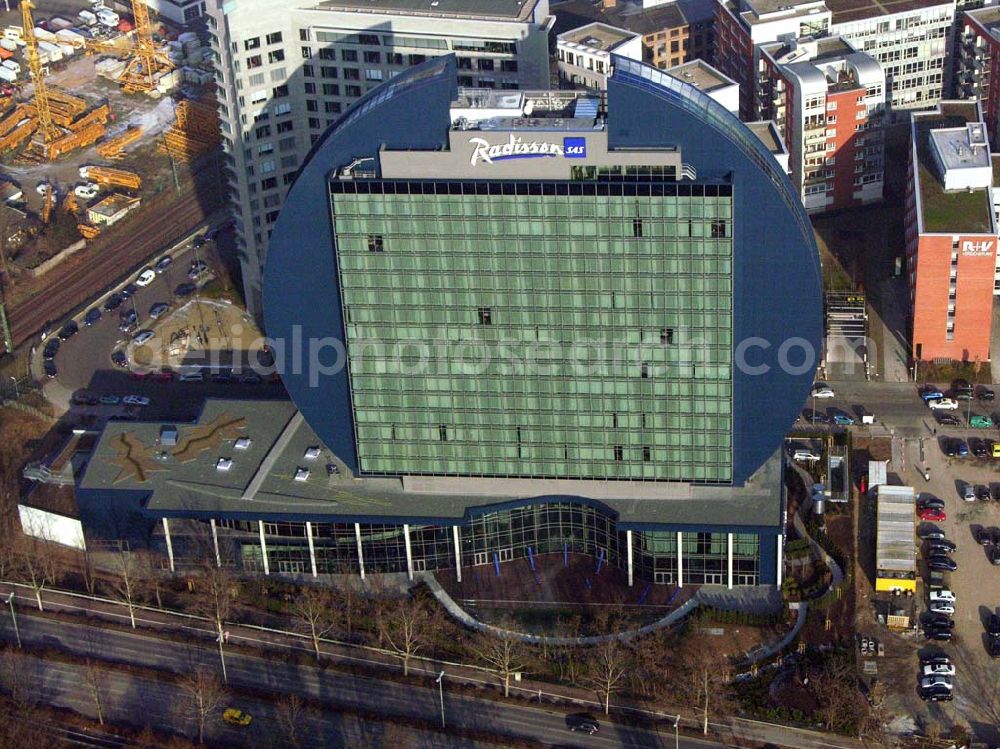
(516,148)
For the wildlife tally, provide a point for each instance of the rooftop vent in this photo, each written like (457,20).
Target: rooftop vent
(168,436)
(301,474)
(224,465)
(243,443)
(311,453)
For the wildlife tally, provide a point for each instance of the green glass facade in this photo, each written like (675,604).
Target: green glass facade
(567,329)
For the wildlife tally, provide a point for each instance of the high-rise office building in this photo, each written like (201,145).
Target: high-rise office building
(512,324)
(286,71)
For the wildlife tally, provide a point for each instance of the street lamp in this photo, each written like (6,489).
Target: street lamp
(222,656)
(13,616)
(440,683)
(17,395)
(677,737)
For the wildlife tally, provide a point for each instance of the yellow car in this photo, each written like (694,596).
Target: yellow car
(236,717)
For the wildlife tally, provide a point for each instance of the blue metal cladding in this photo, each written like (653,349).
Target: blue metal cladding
(777,282)
(302,310)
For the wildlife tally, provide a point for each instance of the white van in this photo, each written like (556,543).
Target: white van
(804,455)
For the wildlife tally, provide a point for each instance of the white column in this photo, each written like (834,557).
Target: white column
(680,559)
(409,551)
(779,560)
(361,558)
(729,543)
(263,547)
(312,549)
(458,554)
(170,546)
(628,547)
(215,543)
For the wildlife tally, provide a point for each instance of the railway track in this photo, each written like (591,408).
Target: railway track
(108,262)
(75,737)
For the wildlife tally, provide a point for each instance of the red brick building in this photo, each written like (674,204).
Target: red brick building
(951,234)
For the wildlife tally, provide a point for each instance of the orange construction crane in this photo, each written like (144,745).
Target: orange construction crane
(73,140)
(106,175)
(87,231)
(18,135)
(48,130)
(47,204)
(115,147)
(146,61)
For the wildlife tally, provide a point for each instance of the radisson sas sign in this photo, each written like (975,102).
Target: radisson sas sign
(517,148)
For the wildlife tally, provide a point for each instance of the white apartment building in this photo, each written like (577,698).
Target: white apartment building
(911,44)
(180,12)
(584,54)
(286,73)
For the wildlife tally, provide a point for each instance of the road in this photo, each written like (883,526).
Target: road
(110,257)
(417,700)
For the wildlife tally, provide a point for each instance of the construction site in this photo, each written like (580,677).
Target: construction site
(100,112)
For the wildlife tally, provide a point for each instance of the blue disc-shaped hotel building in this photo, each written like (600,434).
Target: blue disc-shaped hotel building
(516,323)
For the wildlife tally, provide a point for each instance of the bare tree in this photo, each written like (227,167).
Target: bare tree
(607,666)
(37,560)
(130,580)
(291,710)
(203,694)
(836,689)
(94,679)
(705,676)
(314,607)
(405,628)
(214,596)
(502,651)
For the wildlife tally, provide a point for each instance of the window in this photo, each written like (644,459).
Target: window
(254,62)
(276,55)
(375,243)
(268,184)
(308,71)
(304,35)
(327,72)
(331,107)
(619,453)
(249,44)
(256,79)
(644,371)
(310,87)
(718,229)
(280,91)
(287,144)
(354,91)
(484,64)
(280,109)
(352,74)
(465,63)
(331,89)
(646,454)
(349,55)
(314,124)
(373,75)
(666,336)
(394,58)
(508,66)
(285,127)
(274,38)
(637,227)
(442,432)
(368,39)
(327,53)
(485,316)
(372,56)
(306,52)
(263,131)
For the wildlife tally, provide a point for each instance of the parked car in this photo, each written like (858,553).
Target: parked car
(946,419)
(933,515)
(949,447)
(942,563)
(164,375)
(113,302)
(993,647)
(935,660)
(939,620)
(979,421)
(821,390)
(993,625)
(985,394)
(929,500)
(842,419)
(962,448)
(135,400)
(145,278)
(163,263)
(977,446)
(236,717)
(942,595)
(50,368)
(86,191)
(221,377)
(51,347)
(129,290)
(191,377)
(982,493)
(197,268)
(941,607)
(939,669)
(930,393)
(968,492)
(84,399)
(143,336)
(92,317)
(185,289)
(943,404)
(932,632)
(993,554)
(800,455)
(158,310)
(937,694)
(250,378)
(984,536)
(583,723)
(944,544)
(119,358)
(110,400)
(930,532)
(68,330)
(814,417)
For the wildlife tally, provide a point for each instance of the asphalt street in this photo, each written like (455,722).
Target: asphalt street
(418,699)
